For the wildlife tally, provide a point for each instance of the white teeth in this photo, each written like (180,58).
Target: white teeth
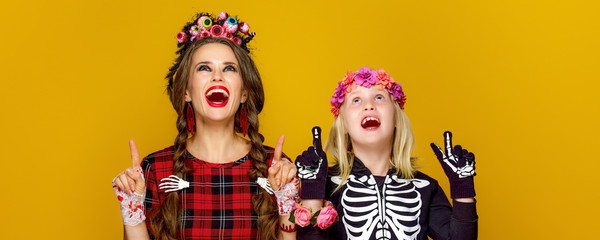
(369,119)
(216,91)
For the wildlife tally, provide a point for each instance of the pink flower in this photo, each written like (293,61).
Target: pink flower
(398,94)
(365,77)
(384,79)
(338,96)
(335,111)
(348,78)
(351,87)
(326,217)
(302,216)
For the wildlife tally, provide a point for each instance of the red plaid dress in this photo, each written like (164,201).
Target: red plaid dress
(218,203)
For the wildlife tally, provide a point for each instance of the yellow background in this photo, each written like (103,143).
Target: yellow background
(516,81)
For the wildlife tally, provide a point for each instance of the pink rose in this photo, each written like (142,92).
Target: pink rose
(303,216)
(326,217)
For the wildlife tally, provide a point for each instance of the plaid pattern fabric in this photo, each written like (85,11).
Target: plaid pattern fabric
(218,203)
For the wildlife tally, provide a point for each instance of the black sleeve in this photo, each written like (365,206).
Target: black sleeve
(315,233)
(447,222)
(312,233)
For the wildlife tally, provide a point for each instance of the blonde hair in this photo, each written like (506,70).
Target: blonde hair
(339,146)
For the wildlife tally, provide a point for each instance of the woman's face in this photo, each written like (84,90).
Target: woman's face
(368,115)
(215,83)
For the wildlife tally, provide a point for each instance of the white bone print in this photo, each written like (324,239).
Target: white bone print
(392,213)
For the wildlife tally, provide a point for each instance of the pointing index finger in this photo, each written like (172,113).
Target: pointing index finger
(135,155)
(278,149)
(316,131)
(448,142)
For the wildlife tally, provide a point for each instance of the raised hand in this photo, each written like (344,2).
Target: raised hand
(282,179)
(280,172)
(132,179)
(459,166)
(130,188)
(312,168)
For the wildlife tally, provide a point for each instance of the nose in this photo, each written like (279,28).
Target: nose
(217,76)
(369,106)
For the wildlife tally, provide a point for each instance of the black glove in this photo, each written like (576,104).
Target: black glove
(459,166)
(312,169)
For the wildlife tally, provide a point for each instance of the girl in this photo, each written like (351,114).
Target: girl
(204,186)
(373,184)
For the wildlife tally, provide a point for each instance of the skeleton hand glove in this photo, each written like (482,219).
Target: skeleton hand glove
(459,166)
(312,169)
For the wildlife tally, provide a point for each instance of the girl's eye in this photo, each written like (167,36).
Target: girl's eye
(229,68)
(356,100)
(203,68)
(379,98)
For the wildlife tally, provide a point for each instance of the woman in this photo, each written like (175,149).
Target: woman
(204,186)
(374,185)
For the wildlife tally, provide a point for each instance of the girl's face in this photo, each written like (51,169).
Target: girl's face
(215,83)
(368,115)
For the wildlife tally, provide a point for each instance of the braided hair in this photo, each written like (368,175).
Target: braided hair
(164,221)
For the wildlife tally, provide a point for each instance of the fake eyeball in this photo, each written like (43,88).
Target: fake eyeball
(181,37)
(228,36)
(222,16)
(204,33)
(195,30)
(216,30)
(237,40)
(205,21)
(230,25)
(244,28)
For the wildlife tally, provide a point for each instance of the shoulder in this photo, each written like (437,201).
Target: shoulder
(159,159)
(421,175)
(424,182)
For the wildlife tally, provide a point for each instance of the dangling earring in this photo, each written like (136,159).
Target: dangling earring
(244,119)
(190,117)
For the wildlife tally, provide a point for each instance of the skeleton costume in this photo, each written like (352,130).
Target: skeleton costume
(390,207)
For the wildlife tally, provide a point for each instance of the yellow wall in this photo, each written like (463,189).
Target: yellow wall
(516,81)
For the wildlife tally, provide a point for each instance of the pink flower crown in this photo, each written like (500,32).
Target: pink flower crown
(223,26)
(366,77)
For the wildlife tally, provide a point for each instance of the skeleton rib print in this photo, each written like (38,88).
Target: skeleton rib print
(392,213)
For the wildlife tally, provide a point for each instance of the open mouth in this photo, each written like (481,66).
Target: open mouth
(217,96)
(370,123)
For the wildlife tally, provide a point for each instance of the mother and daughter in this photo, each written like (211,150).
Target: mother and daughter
(218,180)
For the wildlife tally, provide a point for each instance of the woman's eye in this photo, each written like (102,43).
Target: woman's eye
(203,68)
(229,68)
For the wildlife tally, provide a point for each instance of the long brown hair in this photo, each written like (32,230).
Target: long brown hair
(164,222)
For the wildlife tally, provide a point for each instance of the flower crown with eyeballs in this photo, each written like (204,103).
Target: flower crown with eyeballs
(366,77)
(206,25)
(223,26)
